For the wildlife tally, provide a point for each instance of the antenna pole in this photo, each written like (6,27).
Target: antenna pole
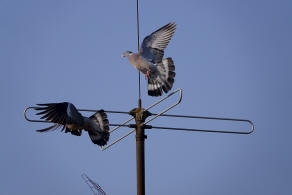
(140,158)
(140,115)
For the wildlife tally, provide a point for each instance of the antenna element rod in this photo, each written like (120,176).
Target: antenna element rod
(138,41)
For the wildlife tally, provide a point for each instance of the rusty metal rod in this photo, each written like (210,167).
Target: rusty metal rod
(140,158)
(140,149)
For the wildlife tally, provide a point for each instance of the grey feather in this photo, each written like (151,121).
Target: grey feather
(162,78)
(101,135)
(61,114)
(153,46)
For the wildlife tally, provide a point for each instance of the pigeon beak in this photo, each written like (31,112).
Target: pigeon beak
(122,56)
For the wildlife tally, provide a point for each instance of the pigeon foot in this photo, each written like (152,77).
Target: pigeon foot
(147,74)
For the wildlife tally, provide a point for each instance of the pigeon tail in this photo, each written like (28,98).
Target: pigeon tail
(100,136)
(162,79)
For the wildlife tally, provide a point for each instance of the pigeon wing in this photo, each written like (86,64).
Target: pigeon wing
(152,48)
(59,113)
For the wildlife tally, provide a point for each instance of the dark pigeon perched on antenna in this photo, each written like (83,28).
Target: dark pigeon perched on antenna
(160,72)
(66,115)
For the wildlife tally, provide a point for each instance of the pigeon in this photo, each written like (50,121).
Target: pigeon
(149,60)
(66,116)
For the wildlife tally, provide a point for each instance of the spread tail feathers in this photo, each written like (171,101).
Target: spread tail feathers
(100,136)
(162,79)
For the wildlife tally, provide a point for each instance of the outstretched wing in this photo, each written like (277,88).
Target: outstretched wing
(153,46)
(61,114)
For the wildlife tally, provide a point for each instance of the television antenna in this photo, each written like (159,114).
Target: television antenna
(94,187)
(140,115)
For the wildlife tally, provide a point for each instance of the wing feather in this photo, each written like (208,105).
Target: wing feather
(61,114)
(153,46)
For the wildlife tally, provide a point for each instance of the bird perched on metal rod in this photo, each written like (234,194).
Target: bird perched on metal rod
(159,72)
(66,115)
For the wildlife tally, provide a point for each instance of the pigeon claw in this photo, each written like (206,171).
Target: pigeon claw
(147,74)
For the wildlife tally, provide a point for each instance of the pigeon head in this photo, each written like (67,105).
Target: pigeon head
(126,54)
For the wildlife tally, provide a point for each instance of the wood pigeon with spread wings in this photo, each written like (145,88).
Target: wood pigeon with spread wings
(66,115)
(149,60)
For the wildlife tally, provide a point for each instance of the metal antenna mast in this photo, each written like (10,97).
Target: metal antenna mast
(140,114)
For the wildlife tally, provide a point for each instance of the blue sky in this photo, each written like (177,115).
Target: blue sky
(233,59)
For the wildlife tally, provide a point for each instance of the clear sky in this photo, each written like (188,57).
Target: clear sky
(233,59)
